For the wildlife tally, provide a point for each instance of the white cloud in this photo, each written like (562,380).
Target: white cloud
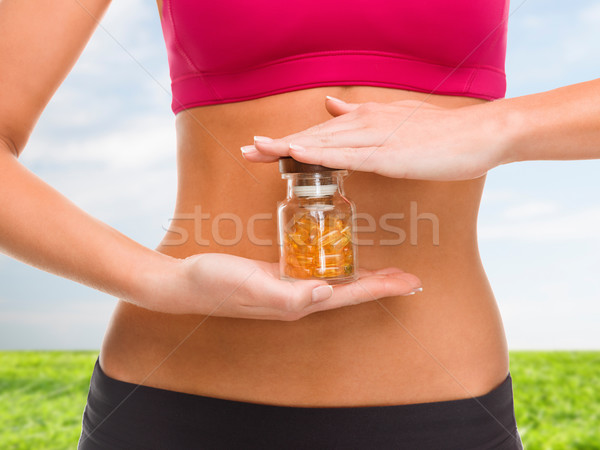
(582,224)
(72,325)
(560,320)
(61,319)
(123,25)
(530,210)
(107,82)
(142,143)
(498,195)
(552,44)
(126,170)
(533,22)
(583,45)
(590,15)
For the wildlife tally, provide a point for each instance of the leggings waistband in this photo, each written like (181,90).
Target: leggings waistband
(125,415)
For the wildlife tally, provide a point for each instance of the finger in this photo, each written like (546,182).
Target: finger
(337,107)
(274,148)
(352,137)
(389,271)
(367,159)
(279,147)
(293,299)
(396,272)
(362,272)
(250,153)
(365,290)
(379,286)
(412,279)
(329,131)
(340,134)
(272,269)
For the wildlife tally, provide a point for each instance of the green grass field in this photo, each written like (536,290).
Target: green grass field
(42,395)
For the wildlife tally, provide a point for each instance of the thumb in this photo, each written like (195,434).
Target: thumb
(297,294)
(337,107)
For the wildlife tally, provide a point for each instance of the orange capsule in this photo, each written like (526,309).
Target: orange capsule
(298,272)
(329,238)
(304,260)
(340,244)
(330,260)
(328,272)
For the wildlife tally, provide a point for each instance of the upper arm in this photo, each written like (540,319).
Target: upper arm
(40,41)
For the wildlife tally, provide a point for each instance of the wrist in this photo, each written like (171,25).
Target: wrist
(155,281)
(498,126)
(508,131)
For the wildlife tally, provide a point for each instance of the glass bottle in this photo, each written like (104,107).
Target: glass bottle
(316,224)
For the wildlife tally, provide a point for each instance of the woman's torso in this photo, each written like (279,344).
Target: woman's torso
(444,343)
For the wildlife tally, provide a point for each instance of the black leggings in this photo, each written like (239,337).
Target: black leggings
(121,415)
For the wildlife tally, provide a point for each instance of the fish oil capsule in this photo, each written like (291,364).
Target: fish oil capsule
(316,224)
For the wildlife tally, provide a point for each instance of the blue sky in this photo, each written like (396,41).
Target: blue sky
(107,142)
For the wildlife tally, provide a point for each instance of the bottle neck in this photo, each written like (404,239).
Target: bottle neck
(321,185)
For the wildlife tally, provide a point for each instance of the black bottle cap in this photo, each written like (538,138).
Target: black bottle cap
(287,164)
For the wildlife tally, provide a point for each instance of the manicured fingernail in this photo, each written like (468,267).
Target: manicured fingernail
(247,149)
(297,148)
(321,293)
(262,139)
(335,99)
(419,289)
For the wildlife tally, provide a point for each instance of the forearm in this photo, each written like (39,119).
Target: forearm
(561,124)
(40,227)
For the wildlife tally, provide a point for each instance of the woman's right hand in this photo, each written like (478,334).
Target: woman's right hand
(220,284)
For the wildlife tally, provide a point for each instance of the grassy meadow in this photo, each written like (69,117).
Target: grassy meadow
(42,395)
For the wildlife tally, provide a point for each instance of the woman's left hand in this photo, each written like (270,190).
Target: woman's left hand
(402,139)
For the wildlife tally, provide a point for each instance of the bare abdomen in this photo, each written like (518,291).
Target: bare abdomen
(444,343)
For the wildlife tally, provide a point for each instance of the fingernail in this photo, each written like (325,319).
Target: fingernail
(321,293)
(419,289)
(410,293)
(262,139)
(246,149)
(335,99)
(297,148)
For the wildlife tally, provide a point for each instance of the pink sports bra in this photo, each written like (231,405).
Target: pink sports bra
(234,50)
